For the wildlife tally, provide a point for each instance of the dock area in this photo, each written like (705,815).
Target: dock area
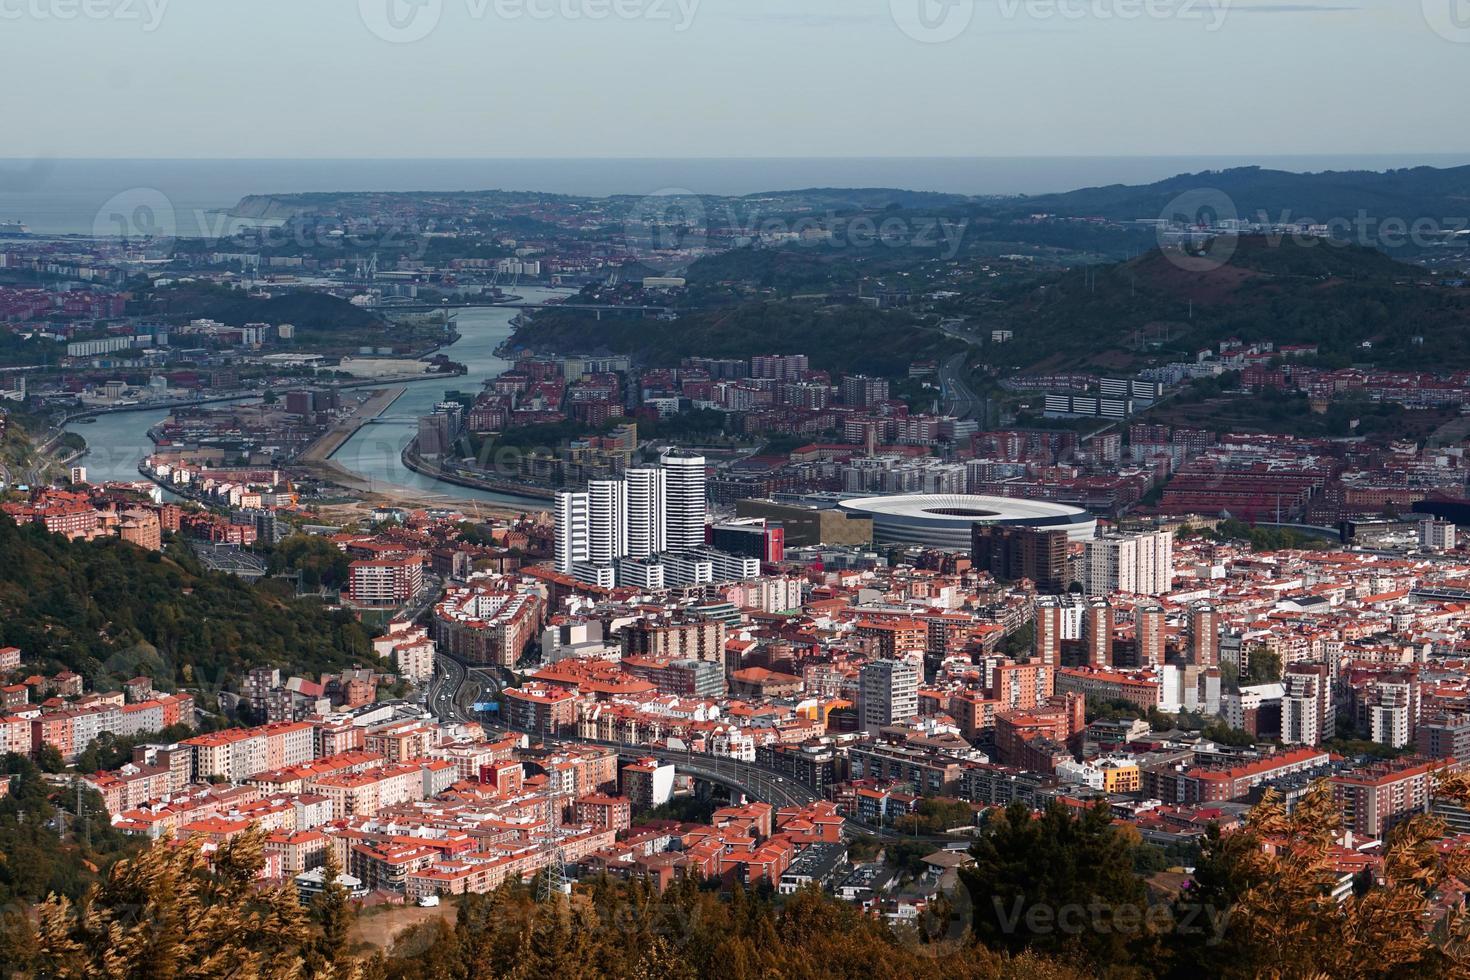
(337,436)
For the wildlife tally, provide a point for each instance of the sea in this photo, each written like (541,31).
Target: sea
(83,196)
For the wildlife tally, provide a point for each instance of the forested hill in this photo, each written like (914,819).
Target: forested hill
(848,338)
(108,609)
(1279,195)
(1336,296)
(311,312)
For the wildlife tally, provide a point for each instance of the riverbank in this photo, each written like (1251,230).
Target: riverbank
(370,461)
(333,439)
(413,461)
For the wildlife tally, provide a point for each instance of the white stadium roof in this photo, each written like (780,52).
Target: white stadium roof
(945,520)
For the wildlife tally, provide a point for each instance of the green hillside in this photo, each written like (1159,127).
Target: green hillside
(1408,193)
(108,609)
(311,312)
(1339,297)
(845,338)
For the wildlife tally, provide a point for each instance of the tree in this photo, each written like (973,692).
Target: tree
(936,816)
(1264,668)
(1218,731)
(1059,884)
(1276,879)
(49,758)
(333,912)
(173,912)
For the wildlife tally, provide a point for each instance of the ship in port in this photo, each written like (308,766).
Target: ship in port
(14,228)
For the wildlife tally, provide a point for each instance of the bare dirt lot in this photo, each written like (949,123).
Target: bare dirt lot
(380,926)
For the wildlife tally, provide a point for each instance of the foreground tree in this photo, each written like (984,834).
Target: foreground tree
(625,930)
(172,912)
(1281,875)
(1061,884)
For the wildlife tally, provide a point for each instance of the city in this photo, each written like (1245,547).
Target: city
(662,490)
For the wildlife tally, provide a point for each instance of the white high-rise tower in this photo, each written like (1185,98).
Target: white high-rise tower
(607,521)
(647,523)
(686,504)
(571,531)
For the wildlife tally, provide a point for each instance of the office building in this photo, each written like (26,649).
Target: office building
(1437,535)
(1377,797)
(779,367)
(860,391)
(1097,633)
(607,521)
(571,531)
(1308,712)
(750,538)
(1445,737)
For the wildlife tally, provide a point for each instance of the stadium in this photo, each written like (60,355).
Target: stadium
(945,520)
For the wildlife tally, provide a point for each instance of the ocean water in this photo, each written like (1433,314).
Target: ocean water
(82,197)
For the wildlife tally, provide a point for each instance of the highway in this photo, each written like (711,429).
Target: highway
(449,690)
(457,686)
(961,399)
(230,559)
(432,591)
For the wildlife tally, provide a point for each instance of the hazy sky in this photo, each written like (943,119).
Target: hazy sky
(552,78)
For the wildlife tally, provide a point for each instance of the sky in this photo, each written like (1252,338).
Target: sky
(701,78)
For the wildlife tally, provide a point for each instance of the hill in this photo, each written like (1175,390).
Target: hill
(311,312)
(108,609)
(837,338)
(1339,297)
(1279,194)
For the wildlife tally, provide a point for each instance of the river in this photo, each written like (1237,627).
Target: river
(118,441)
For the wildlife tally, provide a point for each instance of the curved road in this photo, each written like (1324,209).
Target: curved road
(457,686)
